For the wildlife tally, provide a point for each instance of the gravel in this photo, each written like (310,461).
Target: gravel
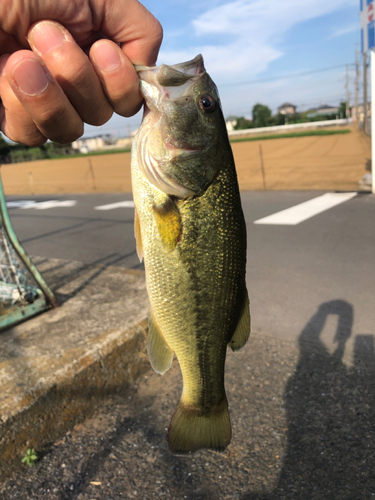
(303,428)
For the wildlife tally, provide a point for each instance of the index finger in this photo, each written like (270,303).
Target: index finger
(137,31)
(139,35)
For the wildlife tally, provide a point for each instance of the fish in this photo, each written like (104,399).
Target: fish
(191,233)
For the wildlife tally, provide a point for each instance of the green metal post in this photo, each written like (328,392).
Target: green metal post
(51,299)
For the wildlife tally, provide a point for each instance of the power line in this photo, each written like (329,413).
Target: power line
(301,73)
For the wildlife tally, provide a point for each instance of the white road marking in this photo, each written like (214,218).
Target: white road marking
(299,213)
(20,203)
(119,204)
(43,205)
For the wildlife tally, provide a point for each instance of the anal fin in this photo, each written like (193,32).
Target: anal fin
(159,352)
(242,332)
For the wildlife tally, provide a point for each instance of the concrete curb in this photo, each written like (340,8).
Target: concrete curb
(49,381)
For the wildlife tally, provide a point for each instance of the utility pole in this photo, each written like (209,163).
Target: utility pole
(347,112)
(365,127)
(356,88)
(372,60)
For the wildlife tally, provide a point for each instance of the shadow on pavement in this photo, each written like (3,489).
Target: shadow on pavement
(331,416)
(328,452)
(63,273)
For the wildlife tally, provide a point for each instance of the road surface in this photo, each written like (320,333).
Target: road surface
(301,392)
(292,269)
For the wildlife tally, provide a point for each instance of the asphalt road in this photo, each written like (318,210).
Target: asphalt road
(301,392)
(292,270)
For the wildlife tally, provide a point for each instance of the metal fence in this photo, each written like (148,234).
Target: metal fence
(23,291)
(293,126)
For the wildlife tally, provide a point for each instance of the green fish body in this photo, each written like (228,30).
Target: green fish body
(191,232)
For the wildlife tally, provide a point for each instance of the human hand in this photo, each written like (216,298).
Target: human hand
(79,69)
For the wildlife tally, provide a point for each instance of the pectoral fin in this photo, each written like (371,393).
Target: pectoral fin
(168,221)
(242,331)
(138,237)
(159,352)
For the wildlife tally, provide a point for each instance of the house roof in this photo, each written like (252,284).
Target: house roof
(287,105)
(231,118)
(326,106)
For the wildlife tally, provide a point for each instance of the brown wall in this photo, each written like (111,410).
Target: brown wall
(315,162)
(104,173)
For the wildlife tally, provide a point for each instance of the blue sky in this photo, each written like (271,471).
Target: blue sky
(262,43)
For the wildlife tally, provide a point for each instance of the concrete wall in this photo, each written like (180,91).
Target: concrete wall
(314,162)
(102,173)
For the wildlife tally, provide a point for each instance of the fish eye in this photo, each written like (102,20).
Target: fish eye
(207,103)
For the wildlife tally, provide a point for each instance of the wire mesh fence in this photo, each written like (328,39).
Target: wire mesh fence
(17,287)
(23,291)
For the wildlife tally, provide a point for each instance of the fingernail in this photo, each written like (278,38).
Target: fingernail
(31,77)
(46,37)
(106,57)
(3,62)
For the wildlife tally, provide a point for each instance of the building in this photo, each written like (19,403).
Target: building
(324,109)
(231,122)
(85,145)
(361,112)
(287,109)
(125,142)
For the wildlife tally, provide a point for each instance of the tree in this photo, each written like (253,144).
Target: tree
(261,115)
(342,109)
(279,119)
(242,123)
(4,146)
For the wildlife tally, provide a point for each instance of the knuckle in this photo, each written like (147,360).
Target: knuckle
(59,125)
(158,32)
(51,115)
(155,36)
(77,73)
(36,141)
(30,136)
(83,88)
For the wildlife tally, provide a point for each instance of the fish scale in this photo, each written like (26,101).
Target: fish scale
(194,249)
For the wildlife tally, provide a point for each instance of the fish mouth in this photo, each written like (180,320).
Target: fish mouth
(157,148)
(173,145)
(192,68)
(169,82)
(159,84)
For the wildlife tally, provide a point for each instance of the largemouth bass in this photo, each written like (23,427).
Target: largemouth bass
(191,232)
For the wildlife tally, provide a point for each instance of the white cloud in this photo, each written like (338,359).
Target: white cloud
(226,63)
(260,20)
(336,32)
(247,33)
(240,39)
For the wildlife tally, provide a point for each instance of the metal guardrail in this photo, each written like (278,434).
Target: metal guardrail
(293,126)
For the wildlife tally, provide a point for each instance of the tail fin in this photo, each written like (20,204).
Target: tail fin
(192,429)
